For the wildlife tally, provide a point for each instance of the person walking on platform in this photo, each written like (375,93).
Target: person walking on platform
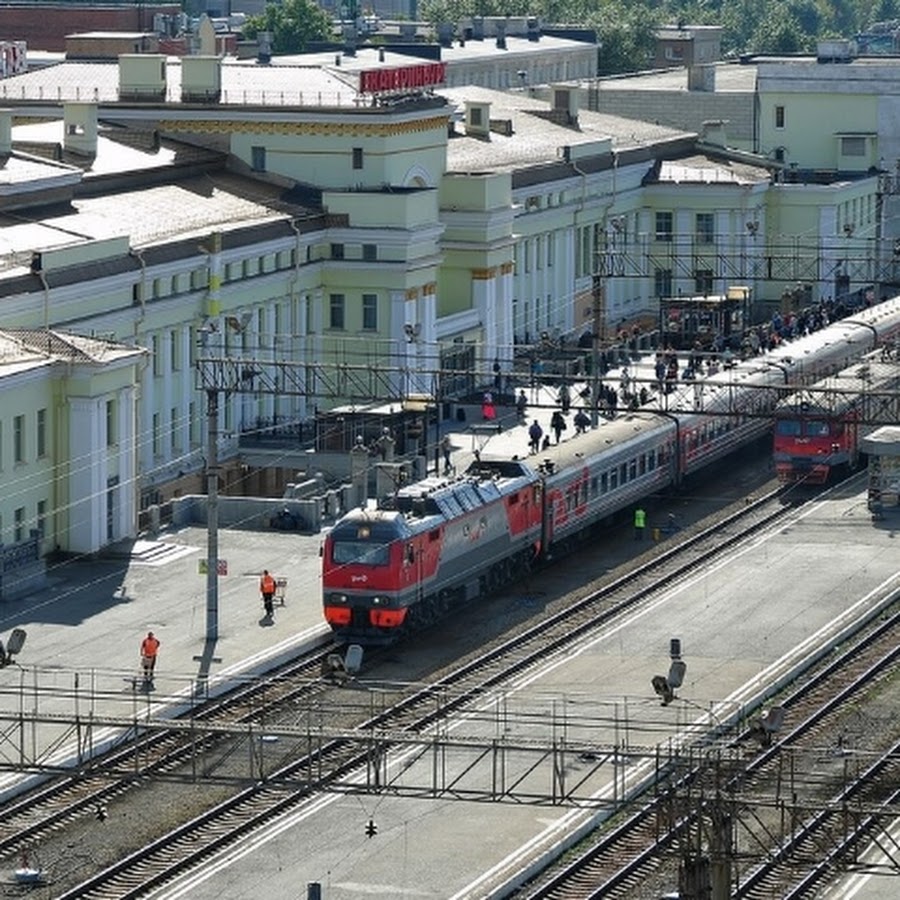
(640,522)
(267,589)
(521,406)
(446,447)
(558,424)
(582,422)
(535,433)
(149,651)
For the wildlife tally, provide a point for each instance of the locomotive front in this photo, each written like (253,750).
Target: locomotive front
(362,568)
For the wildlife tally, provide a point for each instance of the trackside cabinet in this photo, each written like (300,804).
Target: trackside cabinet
(883,449)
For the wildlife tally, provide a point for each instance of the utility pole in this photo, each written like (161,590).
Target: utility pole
(211,378)
(212,515)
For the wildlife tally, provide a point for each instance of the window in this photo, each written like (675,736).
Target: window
(703,281)
(174,350)
(41,523)
(336,311)
(369,252)
(705,228)
(173,428)
(337,251)
(258,159)
(19,524)
(154,351)
(110,423)
(357,157)
(664,226)
(193,424)
(475,116)
(853,146)
(41,433)
(551,245)
(370,312)
(157,435)
(19,439)
(779,117)
(662,282)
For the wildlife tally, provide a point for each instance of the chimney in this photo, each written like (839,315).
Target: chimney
(80,124)
(264,47)
(5,132)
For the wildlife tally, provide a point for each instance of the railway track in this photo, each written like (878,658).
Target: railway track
(616,862)
(333,759)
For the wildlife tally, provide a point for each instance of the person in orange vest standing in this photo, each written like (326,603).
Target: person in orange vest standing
(149,651)
(267,589)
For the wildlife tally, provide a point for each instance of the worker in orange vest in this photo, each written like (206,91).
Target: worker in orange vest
(267,589)
(149,649)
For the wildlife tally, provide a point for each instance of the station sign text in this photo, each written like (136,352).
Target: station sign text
(402,78)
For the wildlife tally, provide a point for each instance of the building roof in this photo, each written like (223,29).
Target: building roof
(729,77)
(702,169)
(243,83)
(76,348)
(534,138)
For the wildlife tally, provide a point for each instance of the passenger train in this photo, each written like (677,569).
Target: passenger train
(441,542)
(819,429)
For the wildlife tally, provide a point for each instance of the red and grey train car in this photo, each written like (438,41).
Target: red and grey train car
(443,541)
(819,429)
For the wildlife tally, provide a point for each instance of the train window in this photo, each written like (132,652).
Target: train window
(360,553)
(594,486)
(434,534)
(410,553)
(623,473)
(604,483)
(787,427)
(642,464)
(632,470)
(815,428)
(513,499)
(613,479)
(651,460)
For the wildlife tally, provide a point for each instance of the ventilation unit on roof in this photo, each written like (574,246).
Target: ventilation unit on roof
(142,77)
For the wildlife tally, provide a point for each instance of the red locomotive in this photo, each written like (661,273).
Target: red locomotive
(819,429)
(443,541)
(440,542)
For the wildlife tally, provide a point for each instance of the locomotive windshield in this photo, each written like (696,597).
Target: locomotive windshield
(361,543)
(802,427)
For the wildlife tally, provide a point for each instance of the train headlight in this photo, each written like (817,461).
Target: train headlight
(338,598)
(381,601)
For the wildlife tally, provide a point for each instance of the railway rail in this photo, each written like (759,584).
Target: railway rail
(615,862)
(333,760)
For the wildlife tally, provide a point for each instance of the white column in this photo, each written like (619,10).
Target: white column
(185,390)
(87,477)
(127,525)
(147,407)
(165,368)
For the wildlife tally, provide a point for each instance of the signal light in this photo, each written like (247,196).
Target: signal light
(371,828)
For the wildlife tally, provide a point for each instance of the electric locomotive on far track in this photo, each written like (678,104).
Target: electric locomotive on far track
(440,542)
(820,429)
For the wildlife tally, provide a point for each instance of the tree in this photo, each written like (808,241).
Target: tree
(292,24)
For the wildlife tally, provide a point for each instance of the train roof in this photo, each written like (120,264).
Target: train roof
(577,448)
(483,482)
(842,391)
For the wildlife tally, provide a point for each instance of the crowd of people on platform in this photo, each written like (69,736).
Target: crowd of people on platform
(629,347)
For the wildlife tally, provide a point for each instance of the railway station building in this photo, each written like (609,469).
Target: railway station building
(360,217)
